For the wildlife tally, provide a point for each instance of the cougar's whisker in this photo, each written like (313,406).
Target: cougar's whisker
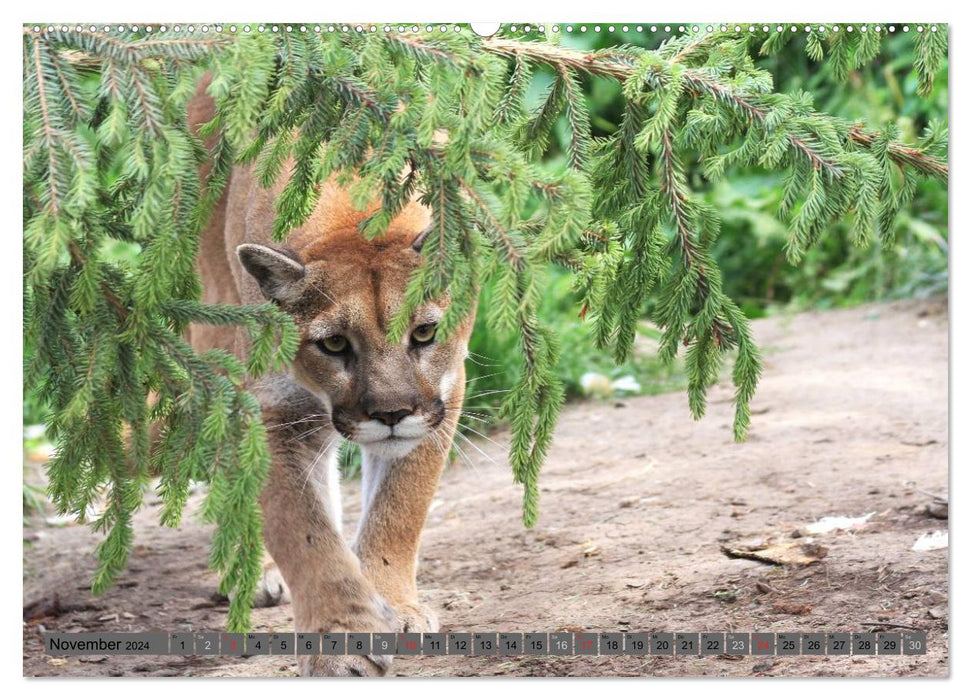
(485,412)
(484,437)
(305,419)
(313,465)
(309,432)
(465,456)
(441,443)
(477,448)
(488,393)
(484,376)
(464,414)
(460,408)
(324,294)
(480,364)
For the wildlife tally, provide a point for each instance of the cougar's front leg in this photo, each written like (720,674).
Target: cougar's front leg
(302,533)
(396,497)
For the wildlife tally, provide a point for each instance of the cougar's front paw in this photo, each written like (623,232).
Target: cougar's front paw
(373,616)
(415,617)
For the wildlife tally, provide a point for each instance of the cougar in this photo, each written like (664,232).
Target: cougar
(400,401)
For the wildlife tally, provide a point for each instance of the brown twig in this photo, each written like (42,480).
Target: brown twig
(48,130)
(899,625)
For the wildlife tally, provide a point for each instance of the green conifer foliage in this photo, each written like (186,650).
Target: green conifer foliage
(108,157)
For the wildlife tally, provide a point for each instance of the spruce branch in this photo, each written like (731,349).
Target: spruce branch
(620,66)
(106,336)
(903,154)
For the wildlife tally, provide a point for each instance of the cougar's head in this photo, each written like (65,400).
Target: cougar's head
(343,293)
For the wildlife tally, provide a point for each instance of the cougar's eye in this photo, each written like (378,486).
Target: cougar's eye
(334,345)
(424,334)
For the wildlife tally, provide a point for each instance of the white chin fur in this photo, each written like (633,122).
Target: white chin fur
(389,449)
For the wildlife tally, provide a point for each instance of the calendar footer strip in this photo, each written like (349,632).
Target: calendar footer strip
(907,643)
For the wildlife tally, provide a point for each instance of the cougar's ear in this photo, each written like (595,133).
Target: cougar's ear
(279,273)
(420,239)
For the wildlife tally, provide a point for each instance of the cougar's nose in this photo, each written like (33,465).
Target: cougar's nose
(390,418)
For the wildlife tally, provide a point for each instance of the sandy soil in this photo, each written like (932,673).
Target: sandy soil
(638,502)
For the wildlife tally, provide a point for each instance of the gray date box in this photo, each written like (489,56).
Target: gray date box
(433,644)
(510,643)
(662,644)
(787,644)
(763,644)
(383,643)
(232,644)
(611,643)
(838,644)
(485,643)
(281,643)
(712,643)
(585,643)
(308,643)
(813,644)
(359,643)
(409,644)
(739,643)
(686,643)
(637,643)
(257,643)
(181,643)
(459,644)
(915,643)
(333,643)
(561,643)
(536,643)
(207,643)
(864,644)
(888,643)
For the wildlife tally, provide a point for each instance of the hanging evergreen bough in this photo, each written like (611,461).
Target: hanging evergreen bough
(109,159)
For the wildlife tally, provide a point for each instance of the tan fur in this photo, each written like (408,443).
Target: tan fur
(352,287)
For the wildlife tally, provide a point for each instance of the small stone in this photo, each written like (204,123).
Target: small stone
(92,659)
(726,596)
(763,666)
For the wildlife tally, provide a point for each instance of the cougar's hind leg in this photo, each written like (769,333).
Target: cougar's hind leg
(272,589)
(302,531)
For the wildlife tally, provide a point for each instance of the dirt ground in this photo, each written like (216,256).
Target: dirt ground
(638,501)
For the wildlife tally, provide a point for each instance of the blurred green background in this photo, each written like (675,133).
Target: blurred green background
(750,249)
